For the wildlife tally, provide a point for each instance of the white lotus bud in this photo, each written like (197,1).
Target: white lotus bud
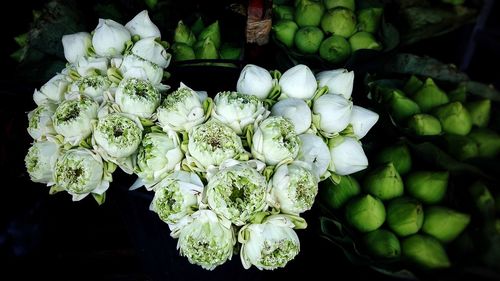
(109,38)
(296,111)
(255,80)
(298,82)
(339,81)
(76,45)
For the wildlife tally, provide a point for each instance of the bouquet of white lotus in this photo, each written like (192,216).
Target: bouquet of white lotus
(232,173)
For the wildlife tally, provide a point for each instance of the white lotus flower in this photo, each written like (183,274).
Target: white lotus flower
(238,110)
(92,86)
(176,196)
(347,156)
(137,97)
(362,120)
(40,121)
(52,91)
(207,240)
(275,141)
(40,161)
(315,152)
(255,80)
(76,45)
(109,38)
(270,244)
(142,25)
(298,82)
(149,49)
(295,110)
(237,193)
(181,110)
(339,81)
(92,66)
(133,66)
(73,118)
(332,114)
(158,154)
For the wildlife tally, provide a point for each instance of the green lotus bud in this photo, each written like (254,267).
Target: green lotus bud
(461,147)
(308,13)
(184,35)
(402,107)
(336,195)
(283,12)
(384,182)
(182,52)
(206,50)
(412,85)
(285,30)
(197,26)
(427,186)
(479,112)
(213,32)
(364,40)
(399,155)
(335,49)
(365,213)
(425,251)
(369,19)
(405,216)
(308,39)
(454,118)
(444,224)
(483,199)
(339,21)
(424,125)
(349,4)
(382,243)
(430,96)
(229,52)
(488,142)
(459,94)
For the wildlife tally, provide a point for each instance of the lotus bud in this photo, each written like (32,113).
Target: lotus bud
(412,85)
(384,182)
(339,81)
(364,40)
(444,224)
(109,38)
(298,82)
(454,118)
(405,216)
(255,80)
(339,21)
(488,142)
(184,35)
(206,50)
(53,91)
(332,114)
(92,65)
(365,213)
(369,19)
(142,25)
(337,195)
(382,243)
(197,26)
(283,12)
(430,96)
(76,45)
(230,52)
(427,186)
(479,112)
(213,32)
(149,49)
(183,52)
(399,155)
(347,156)
(424,125)
(461,147)
(402,107)
(483,199)
(335,49)
(425,251)
(362,120)
(314,151)
(309,13)
(459,94)
(349,4)
(296,111)
(308,39)
(285,30)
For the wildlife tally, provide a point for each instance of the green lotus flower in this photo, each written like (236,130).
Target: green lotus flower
(308,39)
(424,125)
(183,34)
(183,52)
(364,40)
(337,195)
(365,213)
(384,182)
(427,186)
(339,21)
(213,32)
(335,49)
(382,243)
(405,216)
(430,96)
(461,147)
(206,49)
(454,118)
(285,31)
(444,224)
(425,251)
(479,112)
(399,155)
(369,19)
(308,12)
(488,142)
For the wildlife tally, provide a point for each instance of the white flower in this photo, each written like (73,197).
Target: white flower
(52,91)
(275,141)
(137,97)
(362,120)
(92,66)
(158,154)
(40,121)
(207,240)
(268,245)
(76,45)
(142,25)
(255,80)
(237,193)
(315,152)
(149,49)
(339,81)
(41,160)
(238,110)
(181,110)
(73,118)
(347,156)
(92,86)
(133,66)
(296,111)
(298,82)
(332,114)
(293,188)
(109,38)
(81,172)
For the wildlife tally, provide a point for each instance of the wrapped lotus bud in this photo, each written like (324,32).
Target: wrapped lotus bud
(285,30)
(365,213)
(461,147)
(349,4)
(399,155)
(427,186)
(369,19)
(183,52)
(424,125)
(454,118)
(479,112)
(229,52)
(405,216)
(335,49)
(364,40)
(425,251)
(308,39)
(382,243)
(412,85)
(339,21)
(459,94)
(309,13)
(206,49)
(384,182)
(283,12)
(184,35)
(444,224)
(488,142)
(213,32)
(402,107)
(483,199)
(198,26)
(430,96)
(336,195)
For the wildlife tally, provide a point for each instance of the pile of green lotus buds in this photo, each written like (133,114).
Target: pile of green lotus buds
(200,42)
(331,28)
(398,210)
